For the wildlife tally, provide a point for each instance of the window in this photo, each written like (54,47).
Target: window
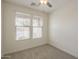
(28,26)
(37,27)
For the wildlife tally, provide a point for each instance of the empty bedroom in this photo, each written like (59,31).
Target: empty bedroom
(39,29)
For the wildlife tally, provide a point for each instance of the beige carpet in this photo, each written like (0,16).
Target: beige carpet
(41,52)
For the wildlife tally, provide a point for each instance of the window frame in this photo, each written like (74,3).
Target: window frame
(31,26)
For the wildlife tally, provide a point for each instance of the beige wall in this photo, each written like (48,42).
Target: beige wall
(2,29)
(63,28)
(10,42)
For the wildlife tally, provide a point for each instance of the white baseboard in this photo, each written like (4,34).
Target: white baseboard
(14,51)
(64,50)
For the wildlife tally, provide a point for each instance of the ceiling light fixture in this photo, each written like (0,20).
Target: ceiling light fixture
(43,1)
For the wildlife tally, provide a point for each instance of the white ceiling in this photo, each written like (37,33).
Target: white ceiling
(55,4)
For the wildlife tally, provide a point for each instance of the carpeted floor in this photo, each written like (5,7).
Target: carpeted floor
(41,52)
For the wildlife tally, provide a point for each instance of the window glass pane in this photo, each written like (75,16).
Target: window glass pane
(27,21)
(22,19)
(19,33)
(37,32)
(35,22)
(19,21)
(26,33)
(22,33)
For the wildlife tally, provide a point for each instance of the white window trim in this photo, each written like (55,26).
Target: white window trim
(31,27)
